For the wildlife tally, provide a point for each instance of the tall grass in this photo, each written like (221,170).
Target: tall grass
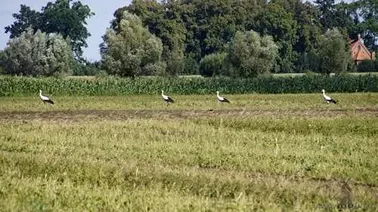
(262,152)
(193,164)
(24,86)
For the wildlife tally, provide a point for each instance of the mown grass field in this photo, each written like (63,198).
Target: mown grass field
(288,152)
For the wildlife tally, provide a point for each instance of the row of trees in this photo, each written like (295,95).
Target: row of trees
(132,50)
(217,37)
(201,28)
(196,28)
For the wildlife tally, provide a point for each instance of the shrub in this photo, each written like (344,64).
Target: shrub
(212,64)
(174,67)
(85,69)
(249,55)
(367,66)
(2,59)
(23,86)
(38,54)
(131,50)
(333,53)
(191,66)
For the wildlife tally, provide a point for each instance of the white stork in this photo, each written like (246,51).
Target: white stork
(221,98)
(327,98)
(166,98)
(45,99)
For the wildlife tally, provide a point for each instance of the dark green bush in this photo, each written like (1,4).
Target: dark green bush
(191,66)
(367,66)
(85,69)
(174,67)
(212,64)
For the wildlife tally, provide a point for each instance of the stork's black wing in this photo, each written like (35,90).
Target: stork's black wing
(170,100)
(225,100)
(49,101)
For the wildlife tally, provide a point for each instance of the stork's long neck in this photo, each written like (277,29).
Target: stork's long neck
(40,93)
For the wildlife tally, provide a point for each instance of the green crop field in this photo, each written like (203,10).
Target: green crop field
(283,152)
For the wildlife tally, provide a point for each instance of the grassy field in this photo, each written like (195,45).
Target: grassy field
(133,153)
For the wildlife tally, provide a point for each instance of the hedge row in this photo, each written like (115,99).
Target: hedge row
(24,86)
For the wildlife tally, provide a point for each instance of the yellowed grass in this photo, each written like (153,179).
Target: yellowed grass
(112,155)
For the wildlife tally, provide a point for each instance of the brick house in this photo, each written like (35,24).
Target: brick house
(359,51)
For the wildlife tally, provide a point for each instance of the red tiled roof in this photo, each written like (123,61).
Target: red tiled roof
(362,53)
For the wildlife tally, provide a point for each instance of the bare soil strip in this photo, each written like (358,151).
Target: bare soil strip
(78,115)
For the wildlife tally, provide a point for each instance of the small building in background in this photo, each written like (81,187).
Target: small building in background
(359,51)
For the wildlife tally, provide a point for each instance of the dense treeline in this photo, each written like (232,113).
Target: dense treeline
(212,38)
(25,86)
(193,29)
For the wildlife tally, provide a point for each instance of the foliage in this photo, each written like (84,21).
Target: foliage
(191,66)
(175,64)
(333,53)
(85,68)
(250,54)
(274,20)
(333,15)
(193,28)
(38,54)
(26,18)
(131,50)
(364,14)
(308,27)
(212,64)
(22,86)
(163,20)
(64,17)
(368,66)
(2,62)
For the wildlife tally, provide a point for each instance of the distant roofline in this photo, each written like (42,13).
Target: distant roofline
(355,42)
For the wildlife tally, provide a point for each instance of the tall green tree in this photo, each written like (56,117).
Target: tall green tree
(198,27)
(308,30)
(333,54)
(250,54)
(274,20)
(38,54)
(24,19)
(308,26)
(365,17)
(162,20)
(214,23)
(132,50)
(327,13)
(65,17)
(333,15)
